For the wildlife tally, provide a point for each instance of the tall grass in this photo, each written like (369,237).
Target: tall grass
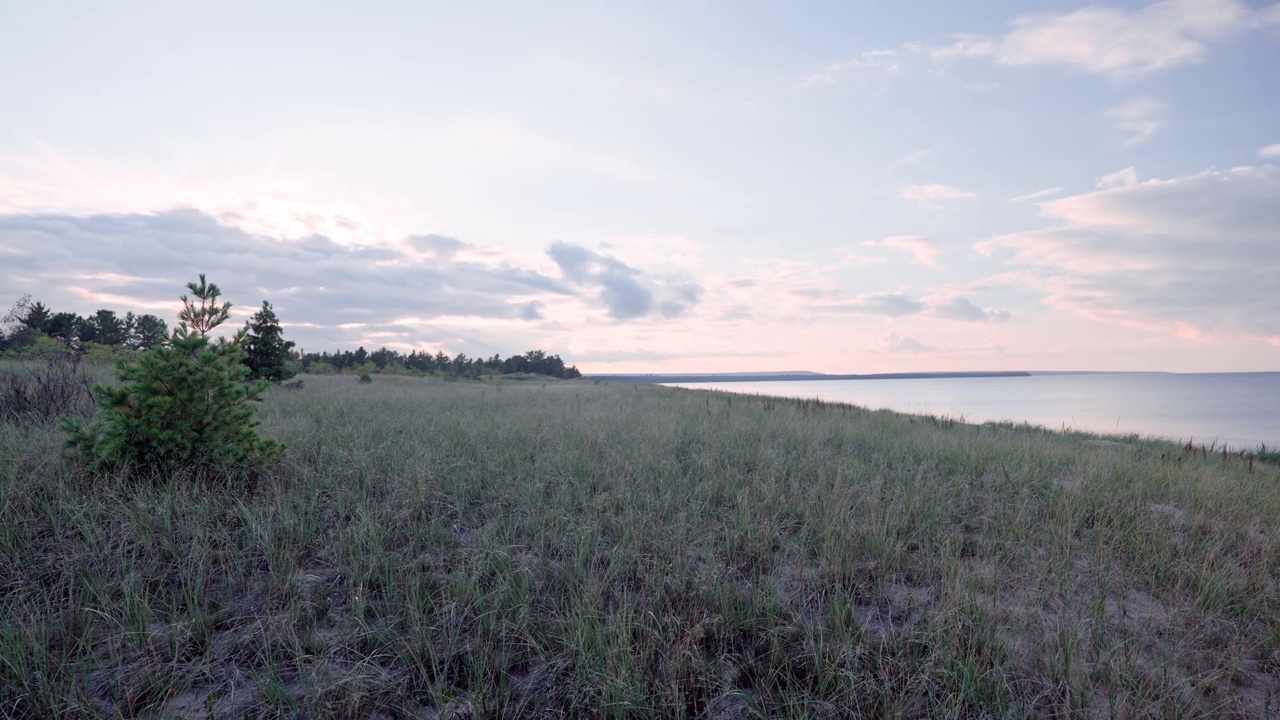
(600,550)
(39,388)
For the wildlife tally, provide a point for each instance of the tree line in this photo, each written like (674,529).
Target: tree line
(28,321)
(268,355)
(388,360)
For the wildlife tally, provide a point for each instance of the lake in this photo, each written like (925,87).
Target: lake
(1239,409)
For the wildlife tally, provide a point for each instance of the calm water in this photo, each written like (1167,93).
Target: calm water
(1239,409)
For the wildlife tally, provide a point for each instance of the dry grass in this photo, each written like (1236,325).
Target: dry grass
(569,549)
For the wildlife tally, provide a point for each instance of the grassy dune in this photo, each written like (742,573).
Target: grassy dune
(569,549)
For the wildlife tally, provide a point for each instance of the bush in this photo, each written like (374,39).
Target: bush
(183,405)
(42,387)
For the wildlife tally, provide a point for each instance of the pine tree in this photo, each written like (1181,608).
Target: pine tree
(181,405)
(106,328)
(266,351)
(148,332)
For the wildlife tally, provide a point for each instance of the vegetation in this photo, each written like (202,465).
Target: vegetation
(552,549)
(32,329)
(184,405)
(44,386)
(383,360)
(27,323)
(266,351)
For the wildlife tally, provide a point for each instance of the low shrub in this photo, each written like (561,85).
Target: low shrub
(43,387)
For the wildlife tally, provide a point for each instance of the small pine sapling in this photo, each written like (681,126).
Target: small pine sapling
(182,405)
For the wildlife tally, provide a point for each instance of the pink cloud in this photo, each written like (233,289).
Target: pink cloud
(923,250)
(931,195)
(1114,42)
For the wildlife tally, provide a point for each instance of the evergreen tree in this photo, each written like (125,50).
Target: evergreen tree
(382,357)
(64,326)
(266,351)
(38,317)
(107,328)
(181,405)
(147,332)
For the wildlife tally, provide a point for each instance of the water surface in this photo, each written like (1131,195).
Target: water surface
(1239,409)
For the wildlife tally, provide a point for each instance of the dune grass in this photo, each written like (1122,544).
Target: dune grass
(572,549)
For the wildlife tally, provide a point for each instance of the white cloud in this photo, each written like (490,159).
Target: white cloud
(1140,118)
(1270,151)
(886,61)
(963,309)
(1099,40)
(1114,42)
(893,343)
(923,250)
(934,194)
(1128,177)
(1193,253)
(1037,194)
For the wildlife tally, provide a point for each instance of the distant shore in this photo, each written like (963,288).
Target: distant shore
(776,377)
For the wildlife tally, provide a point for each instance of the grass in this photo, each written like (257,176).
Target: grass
(573,549)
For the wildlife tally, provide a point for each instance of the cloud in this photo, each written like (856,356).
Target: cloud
(853,258)
(611,356)
(893,343)
(1113,42)
(1140,118)
(1128,177)
(887,304)
(1037,194)
(531,311)
(923,250)
(1197,251)
(626,291)
(885,61)
(1270,151)
(963,309)
(107,253)
(441,246)
(422,289)
(1217,206)
(944,307)
(932,195)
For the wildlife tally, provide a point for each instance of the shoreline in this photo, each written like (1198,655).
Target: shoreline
(791,377)
(1198,408)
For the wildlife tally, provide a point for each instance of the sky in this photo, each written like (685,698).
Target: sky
(691,186)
